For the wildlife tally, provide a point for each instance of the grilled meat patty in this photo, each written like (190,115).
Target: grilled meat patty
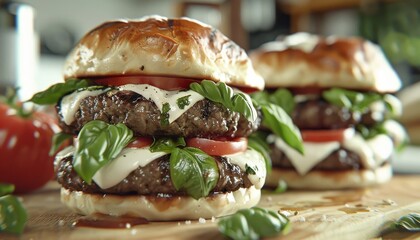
(152,179)
(204,119)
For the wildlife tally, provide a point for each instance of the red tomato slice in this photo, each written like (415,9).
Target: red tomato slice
(331,135)
(219,147)
(140,142)
(162,82)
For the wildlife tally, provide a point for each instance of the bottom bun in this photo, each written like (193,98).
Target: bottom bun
(324,180)
(161,208)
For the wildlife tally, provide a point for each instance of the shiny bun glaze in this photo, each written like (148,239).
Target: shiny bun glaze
(305,60)
(160,46)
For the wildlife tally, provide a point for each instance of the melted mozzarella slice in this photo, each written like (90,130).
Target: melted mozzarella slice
(70,103)
(314,153)
(254,160)
(127,161)
(160,97)
(372,152)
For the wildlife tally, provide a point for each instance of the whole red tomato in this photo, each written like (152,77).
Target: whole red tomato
(25,143)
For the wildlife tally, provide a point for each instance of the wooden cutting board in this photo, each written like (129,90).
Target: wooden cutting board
(350,214)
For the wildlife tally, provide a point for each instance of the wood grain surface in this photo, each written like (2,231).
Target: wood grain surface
(349,214)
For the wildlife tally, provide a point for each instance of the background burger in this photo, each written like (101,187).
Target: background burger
(337,91)
(160,122)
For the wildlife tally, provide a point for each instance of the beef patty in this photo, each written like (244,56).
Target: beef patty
(340,159)
(152,179)
(204,119)
(319,114)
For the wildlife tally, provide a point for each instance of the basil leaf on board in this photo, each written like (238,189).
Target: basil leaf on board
(257,142)
(6,189)
(409,222)
(194,171)
(98,143)
(56,91)
(13,215)
(253,223)
(281,187)
(353,100)
(275,118)
(223,94)
(281,97)
(58,140)
(167,144)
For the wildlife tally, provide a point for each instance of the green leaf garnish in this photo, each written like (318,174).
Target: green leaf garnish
(167,144)
(99,143)
(249,170)
(409,222)
(13,215)
(56,91)
(6,189)
(372,131)
(184,101)
(58,140)
(164,115)
(257,142)
(281,187)
(194,171)
(223,94)
(281,97)
(254,223)
(275,118)
(353,100)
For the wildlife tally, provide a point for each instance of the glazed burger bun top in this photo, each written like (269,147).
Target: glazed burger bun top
(306,60)
(159,46)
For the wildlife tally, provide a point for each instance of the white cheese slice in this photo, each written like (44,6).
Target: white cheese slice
(160,97)
(70,103)
(127,161)
(314,153)
(254,160)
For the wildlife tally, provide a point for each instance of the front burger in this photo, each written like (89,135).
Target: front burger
(338,93)
(159,117)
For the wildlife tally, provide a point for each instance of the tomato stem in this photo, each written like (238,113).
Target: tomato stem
(11,100)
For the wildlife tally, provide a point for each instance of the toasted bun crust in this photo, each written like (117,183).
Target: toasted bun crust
(161,209)
(324,180)
(160,46)
(304,60)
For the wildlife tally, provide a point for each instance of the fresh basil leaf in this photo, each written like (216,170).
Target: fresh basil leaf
(13,215)
(275,118)
(167,144)
(281,187)
(353,100)
(253,223)
(372,131)
(182,102)
(194,171)
(409,222)
(6,189)
(283,98)
(249,170)
(257,142)
(164,115)
(393,105)
(56,91)
(99,143)
(58,140)
(223,94)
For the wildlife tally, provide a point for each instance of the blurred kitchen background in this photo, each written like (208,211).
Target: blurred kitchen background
(36,35)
